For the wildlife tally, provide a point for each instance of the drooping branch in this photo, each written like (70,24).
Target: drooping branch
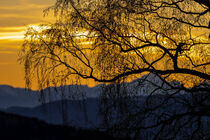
(204,2)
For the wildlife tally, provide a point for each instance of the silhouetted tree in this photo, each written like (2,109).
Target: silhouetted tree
(118,40)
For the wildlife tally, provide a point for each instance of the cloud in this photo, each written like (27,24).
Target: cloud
(5,35)
(15,21)
(12,29)
(9,48)
(39,2)
(22,12)
(9,2)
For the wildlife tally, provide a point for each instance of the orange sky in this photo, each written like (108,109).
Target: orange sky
(15,16)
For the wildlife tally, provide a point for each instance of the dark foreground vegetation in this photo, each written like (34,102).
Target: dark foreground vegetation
(23,128)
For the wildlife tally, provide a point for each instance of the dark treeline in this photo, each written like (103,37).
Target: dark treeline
(23,128)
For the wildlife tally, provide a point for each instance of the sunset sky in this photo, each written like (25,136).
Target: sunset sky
(15,16)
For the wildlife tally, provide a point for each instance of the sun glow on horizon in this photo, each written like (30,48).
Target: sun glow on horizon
(12,35)
(17,33)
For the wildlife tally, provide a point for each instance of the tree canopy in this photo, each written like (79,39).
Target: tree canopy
(109,40)
(112,41)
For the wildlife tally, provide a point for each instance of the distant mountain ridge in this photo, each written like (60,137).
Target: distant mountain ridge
(21,97)
(10,96)
(74,110)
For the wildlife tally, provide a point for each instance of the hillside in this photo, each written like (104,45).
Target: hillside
(23,128)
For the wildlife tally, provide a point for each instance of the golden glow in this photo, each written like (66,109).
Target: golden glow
(15,17)
(12,33)
(6,52)
(2,29)
(17,33)
(12,37)
(37,28)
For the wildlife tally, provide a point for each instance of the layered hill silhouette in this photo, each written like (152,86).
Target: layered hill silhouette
(23,128)
(82,107)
